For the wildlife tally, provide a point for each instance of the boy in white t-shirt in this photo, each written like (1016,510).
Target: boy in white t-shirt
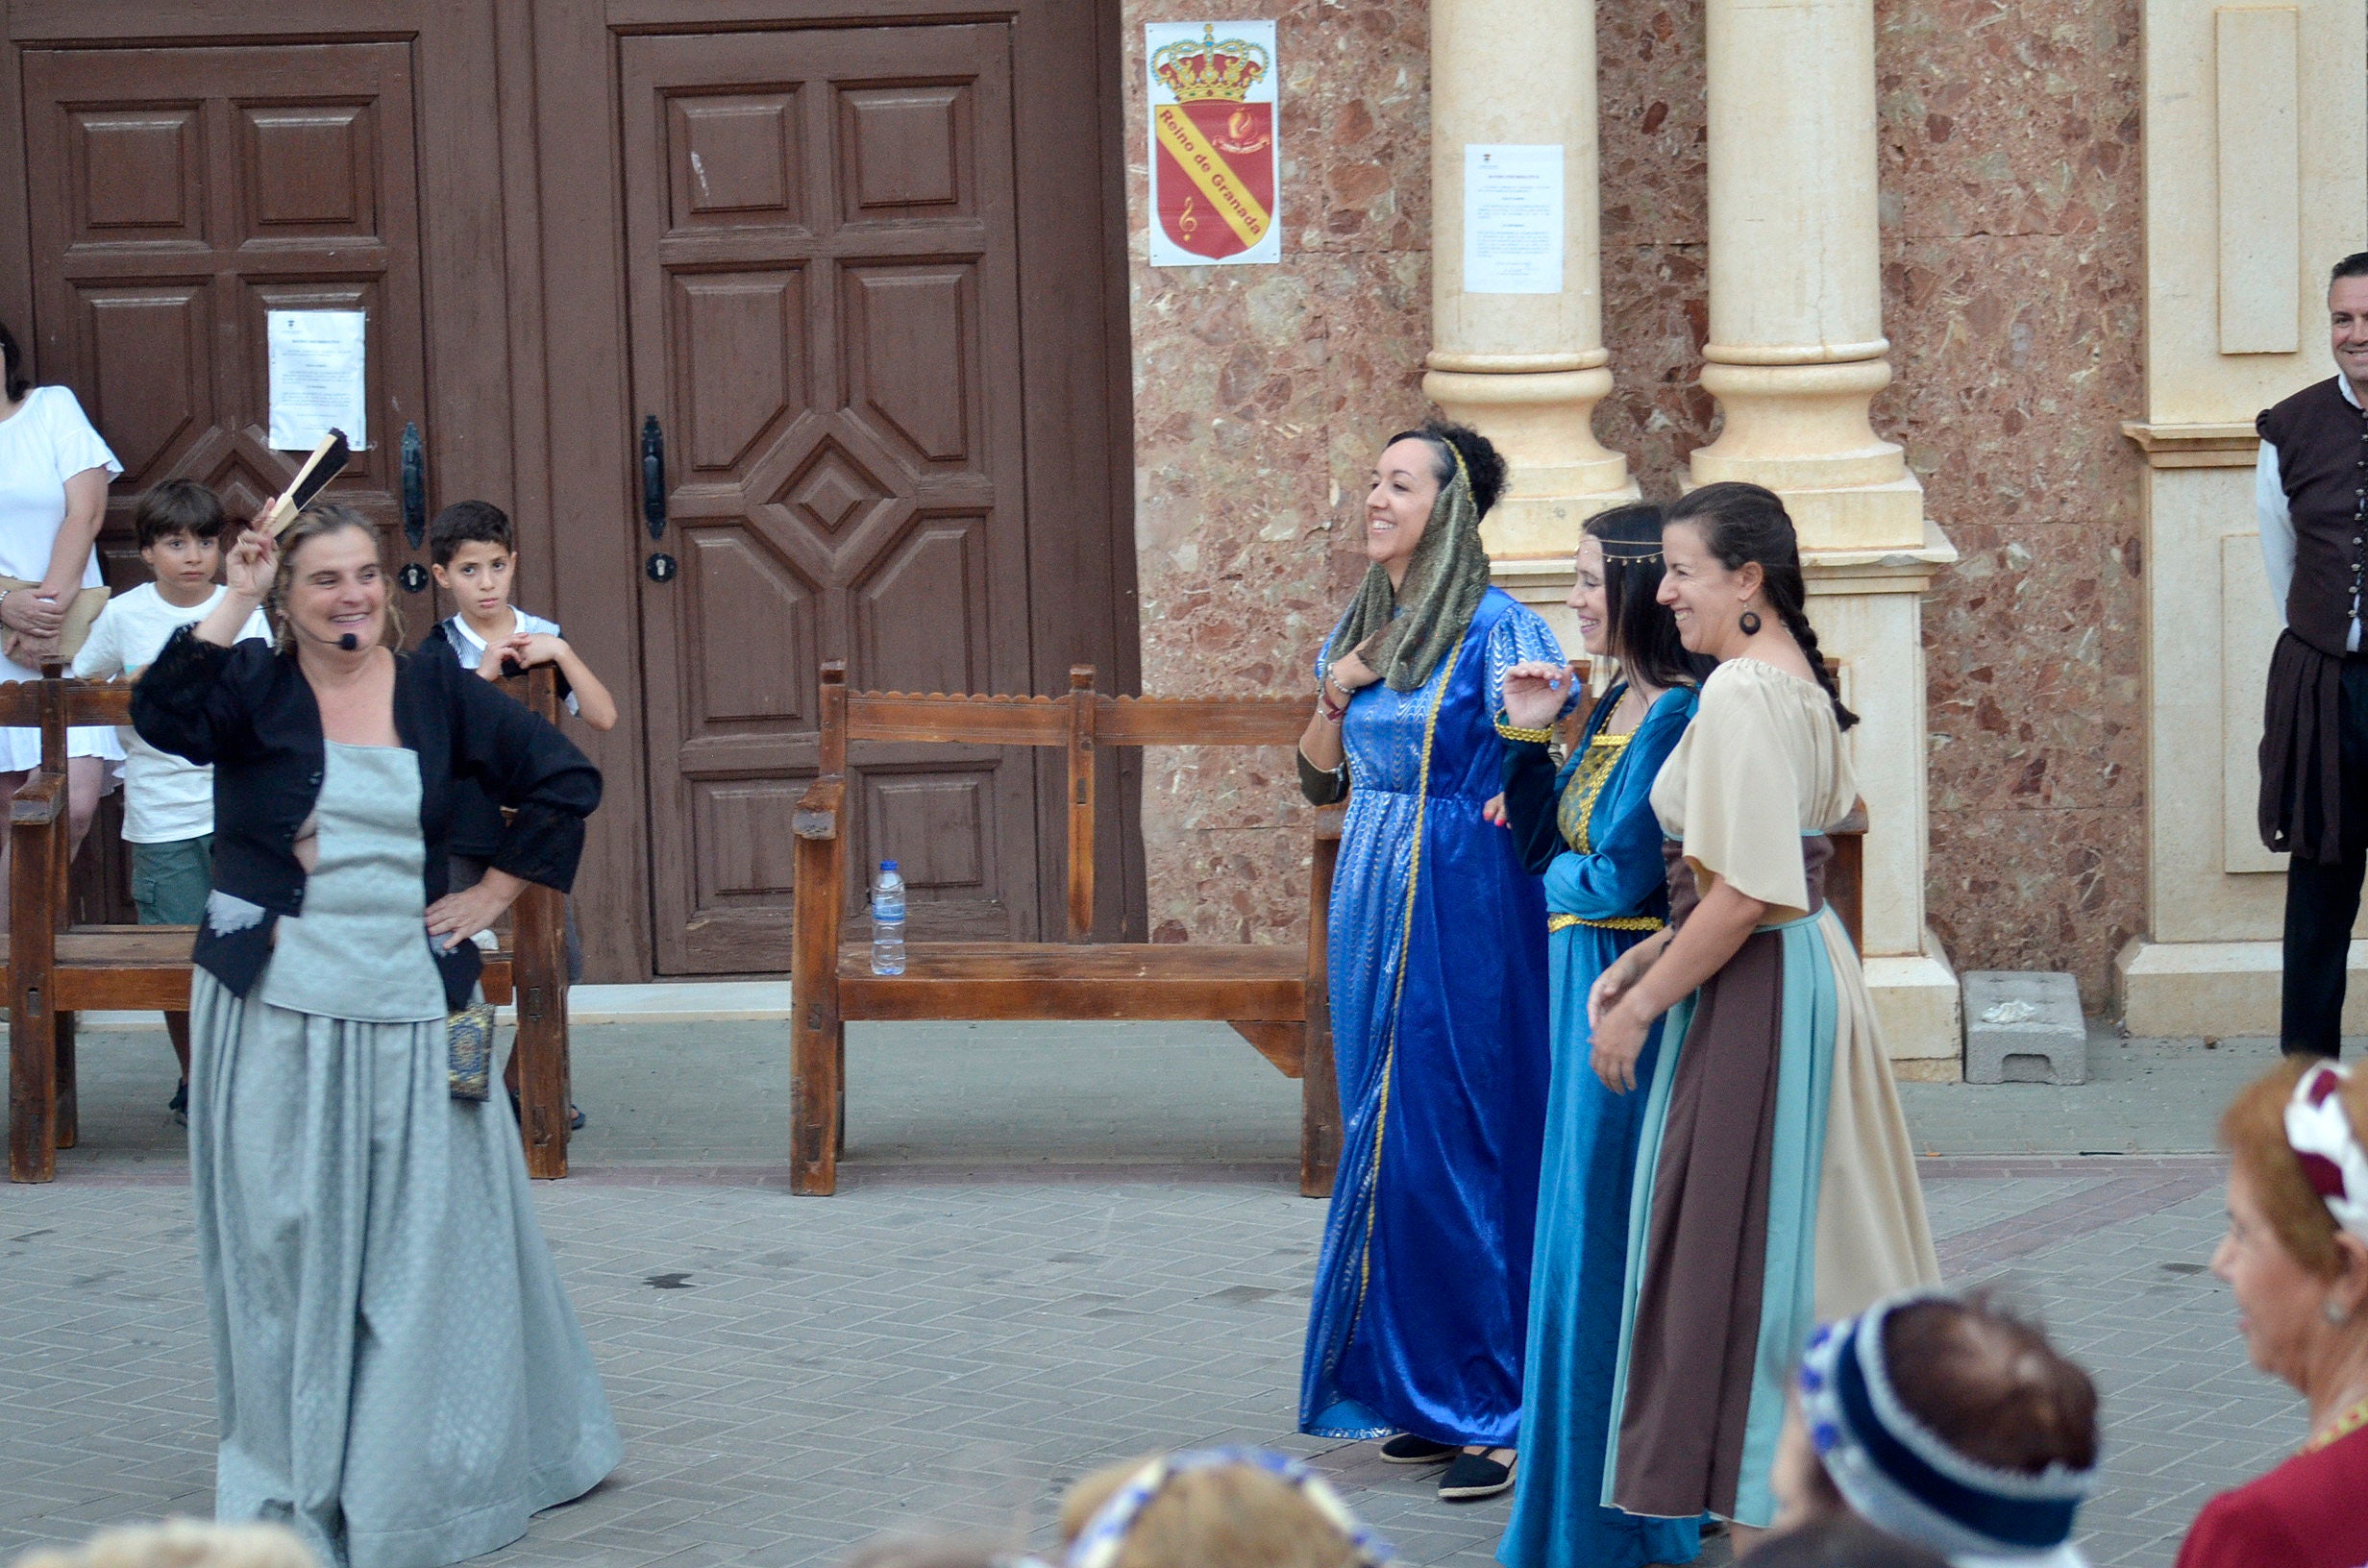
(167,802)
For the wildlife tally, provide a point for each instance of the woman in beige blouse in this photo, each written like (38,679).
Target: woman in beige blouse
(1775,1186)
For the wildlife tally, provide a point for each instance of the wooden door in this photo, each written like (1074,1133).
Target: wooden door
(177,195)
(825,320)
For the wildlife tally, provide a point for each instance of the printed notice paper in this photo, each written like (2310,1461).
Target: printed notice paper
(1512,220)
(319,379)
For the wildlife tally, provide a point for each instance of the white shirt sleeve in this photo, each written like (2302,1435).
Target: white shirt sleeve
(100,657)
(2276,527)
(76,446)
(257,628)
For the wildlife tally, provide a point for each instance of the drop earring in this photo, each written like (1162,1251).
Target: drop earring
(1749,621)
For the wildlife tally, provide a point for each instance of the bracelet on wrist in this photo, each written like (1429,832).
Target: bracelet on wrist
(1513,732)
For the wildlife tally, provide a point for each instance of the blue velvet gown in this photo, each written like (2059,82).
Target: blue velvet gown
(1605,892)
(1439,1020)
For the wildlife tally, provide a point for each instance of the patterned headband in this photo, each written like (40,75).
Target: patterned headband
(1900,1476)
(1098,1544)
(2321,1137)
(1631,553)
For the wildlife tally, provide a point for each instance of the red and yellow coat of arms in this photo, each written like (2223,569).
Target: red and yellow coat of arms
(1213,156)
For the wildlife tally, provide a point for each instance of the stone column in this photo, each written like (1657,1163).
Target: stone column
(1796,348)
(1525,369)
(1796,354)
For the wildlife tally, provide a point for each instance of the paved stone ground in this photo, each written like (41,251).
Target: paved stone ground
(1038,1263)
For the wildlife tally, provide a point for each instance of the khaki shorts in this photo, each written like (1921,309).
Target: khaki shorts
(170,881)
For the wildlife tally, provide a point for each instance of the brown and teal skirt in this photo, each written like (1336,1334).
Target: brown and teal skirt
(1775,1188)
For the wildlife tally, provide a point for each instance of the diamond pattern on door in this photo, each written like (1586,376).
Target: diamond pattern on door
(822,268)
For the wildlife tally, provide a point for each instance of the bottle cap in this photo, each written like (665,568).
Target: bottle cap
(887,865)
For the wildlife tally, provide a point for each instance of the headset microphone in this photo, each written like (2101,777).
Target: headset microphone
(349,642)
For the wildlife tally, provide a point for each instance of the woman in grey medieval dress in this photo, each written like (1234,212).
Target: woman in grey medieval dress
(400,1377)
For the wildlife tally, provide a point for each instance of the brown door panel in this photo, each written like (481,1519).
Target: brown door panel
(822,274)
(179,194)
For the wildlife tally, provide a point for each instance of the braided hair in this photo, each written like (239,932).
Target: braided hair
(1745,523)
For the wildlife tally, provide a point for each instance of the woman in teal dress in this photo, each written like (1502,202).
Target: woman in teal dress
(1590,832)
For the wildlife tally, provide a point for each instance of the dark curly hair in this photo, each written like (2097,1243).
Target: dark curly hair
(1481,458)
(1743,523)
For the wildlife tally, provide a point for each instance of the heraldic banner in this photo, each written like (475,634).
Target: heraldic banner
(1214,165)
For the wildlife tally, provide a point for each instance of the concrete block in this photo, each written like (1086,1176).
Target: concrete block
(2024,1027)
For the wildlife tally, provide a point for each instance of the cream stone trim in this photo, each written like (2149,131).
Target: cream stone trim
(2229,445)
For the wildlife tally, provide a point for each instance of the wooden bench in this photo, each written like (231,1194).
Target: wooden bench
(1274,996)
(52,970)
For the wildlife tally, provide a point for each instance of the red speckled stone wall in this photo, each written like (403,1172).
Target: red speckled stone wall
(2012,297)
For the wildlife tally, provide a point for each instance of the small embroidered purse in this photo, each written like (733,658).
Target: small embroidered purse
(469,1035)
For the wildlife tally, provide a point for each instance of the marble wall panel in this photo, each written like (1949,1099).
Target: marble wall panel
(2013,297)
(1262,394)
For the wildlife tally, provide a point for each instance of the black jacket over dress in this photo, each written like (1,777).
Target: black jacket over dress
(249,713)
(2321,443)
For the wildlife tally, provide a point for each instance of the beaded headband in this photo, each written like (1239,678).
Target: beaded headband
(2321,1135)
(1099,1543)
(1899,1475)
(1630,554)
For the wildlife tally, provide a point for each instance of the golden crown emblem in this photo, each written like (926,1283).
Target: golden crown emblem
(1197,72)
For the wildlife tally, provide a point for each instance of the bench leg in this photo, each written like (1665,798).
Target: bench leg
(33,1087)
(1319,1113)
(817,1055)
(68,1119)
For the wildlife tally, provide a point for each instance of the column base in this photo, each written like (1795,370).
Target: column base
(1920,1009)
(2218,989)
(1545,528)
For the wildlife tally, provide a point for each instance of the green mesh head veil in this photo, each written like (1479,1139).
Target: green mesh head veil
(1404,634)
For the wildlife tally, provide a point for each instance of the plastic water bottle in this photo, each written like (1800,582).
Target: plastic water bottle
(888,920)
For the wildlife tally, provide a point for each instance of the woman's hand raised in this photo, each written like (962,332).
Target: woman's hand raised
(253,562)
(1535,690)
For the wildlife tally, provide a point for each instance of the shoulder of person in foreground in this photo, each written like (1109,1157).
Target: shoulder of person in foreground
(2247,1528)
(1841,1540)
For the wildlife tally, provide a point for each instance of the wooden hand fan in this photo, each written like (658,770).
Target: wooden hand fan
(327,462)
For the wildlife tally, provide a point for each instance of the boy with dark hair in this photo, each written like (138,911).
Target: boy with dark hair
(474,554)
(167,802)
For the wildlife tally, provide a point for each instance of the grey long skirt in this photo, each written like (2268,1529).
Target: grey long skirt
(402,1379)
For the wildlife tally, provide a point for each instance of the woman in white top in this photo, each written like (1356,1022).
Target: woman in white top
(53,471)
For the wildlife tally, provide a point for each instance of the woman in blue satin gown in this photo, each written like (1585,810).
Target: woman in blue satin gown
(1589,830)
(1438,987)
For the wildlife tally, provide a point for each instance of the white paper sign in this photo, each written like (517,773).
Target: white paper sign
(1513,219)
(319,377)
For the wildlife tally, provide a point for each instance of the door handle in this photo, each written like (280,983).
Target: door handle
(652,476)
(415,577)
(660,566)
(414,487)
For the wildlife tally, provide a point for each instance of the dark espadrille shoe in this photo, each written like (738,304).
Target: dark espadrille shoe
(178,1105)
(1408,1449)
(1473,1477)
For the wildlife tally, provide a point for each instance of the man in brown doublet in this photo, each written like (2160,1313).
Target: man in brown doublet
(2311,494)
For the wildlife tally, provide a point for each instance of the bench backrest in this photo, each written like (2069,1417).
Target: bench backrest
(1078,722)
(1085,718)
